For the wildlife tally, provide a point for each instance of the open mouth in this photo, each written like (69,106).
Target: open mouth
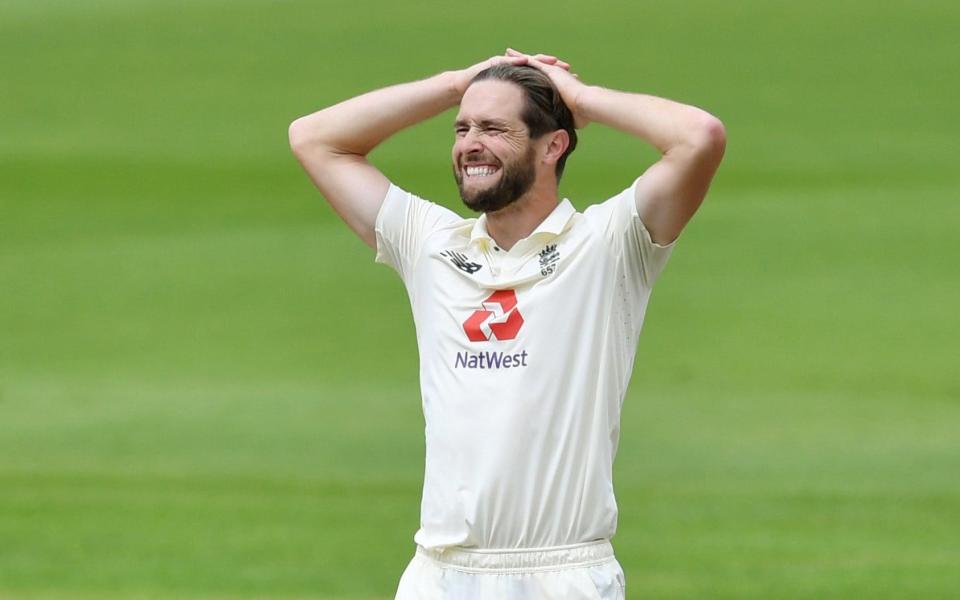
(475,171)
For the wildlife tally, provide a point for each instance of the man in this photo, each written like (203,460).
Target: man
(527,318)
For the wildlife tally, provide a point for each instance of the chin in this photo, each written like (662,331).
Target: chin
(489,202)
(501,190)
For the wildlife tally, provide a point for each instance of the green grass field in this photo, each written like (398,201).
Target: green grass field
(208,390)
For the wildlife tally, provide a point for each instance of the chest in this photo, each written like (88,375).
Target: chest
(466,295)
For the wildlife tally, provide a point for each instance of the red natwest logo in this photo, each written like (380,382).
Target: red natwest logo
(498,318)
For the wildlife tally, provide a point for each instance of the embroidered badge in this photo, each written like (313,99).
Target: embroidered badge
(548,259)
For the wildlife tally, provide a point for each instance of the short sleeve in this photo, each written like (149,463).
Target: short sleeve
(403,222)
(620,222)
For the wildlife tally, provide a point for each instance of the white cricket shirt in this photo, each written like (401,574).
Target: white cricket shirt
(525,356)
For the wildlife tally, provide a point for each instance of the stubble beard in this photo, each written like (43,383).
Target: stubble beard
(516,179)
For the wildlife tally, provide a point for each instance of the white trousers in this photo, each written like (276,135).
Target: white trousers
(580,572)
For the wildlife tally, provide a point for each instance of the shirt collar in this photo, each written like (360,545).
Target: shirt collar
(554,224)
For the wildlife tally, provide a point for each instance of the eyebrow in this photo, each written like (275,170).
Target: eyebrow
(483,123)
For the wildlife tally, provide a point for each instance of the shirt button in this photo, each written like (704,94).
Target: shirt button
(497,248)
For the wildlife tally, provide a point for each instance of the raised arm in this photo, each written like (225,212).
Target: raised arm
(690,140)
(332,144)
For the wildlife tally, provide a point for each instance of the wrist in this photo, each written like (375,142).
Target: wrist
(456,83)
(580,104)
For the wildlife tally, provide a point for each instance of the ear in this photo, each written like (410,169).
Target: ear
(557,144)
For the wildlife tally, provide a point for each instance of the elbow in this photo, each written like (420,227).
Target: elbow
(309,134)
(299,136)
(315,136)
(710,136)
(702,136)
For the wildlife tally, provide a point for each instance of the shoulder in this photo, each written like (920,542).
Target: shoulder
(621,227)
(401,208)
(616,212)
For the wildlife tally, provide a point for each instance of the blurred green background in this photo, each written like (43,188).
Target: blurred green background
(209,390)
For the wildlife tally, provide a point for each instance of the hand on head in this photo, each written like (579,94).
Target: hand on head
(545,59)
(465,76)
(567,83)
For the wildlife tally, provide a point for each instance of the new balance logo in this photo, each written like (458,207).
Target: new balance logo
(460,261)
(498,318)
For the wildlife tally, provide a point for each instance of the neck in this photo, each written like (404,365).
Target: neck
(512,223)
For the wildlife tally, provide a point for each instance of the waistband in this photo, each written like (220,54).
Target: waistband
(525,560)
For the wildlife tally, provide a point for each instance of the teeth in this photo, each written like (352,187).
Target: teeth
(480,171)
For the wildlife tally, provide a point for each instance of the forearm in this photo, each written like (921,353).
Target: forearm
(665,124)
(356,126)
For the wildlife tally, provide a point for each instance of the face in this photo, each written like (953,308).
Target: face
(494,161)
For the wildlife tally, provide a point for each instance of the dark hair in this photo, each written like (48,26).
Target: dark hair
(543,108)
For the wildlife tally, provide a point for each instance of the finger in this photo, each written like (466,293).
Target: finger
(549,59)
(541,64)
(533,62)
(510,60)
(553,60)
(544,58)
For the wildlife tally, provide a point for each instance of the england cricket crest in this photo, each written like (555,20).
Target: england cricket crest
(549,257)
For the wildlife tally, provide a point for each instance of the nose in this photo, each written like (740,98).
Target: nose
(470,142)
(472,137)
